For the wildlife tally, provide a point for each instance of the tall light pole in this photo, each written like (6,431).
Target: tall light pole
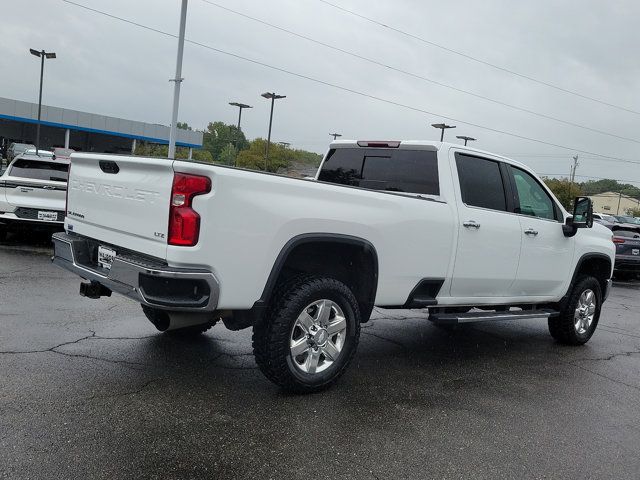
(240,107)
(273,97)
(465,138)
(178,80)
(335,135)
(442,127)
(42,54)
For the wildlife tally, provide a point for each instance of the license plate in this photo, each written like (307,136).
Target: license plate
(635,251)
(47,216)
(106,256)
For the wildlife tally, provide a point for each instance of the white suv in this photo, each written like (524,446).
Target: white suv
(32,193)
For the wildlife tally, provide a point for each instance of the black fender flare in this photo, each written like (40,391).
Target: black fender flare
(308,238)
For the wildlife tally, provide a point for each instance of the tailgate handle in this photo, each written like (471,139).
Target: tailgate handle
(109,166)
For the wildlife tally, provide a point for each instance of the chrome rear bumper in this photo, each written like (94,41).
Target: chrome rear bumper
(147,281)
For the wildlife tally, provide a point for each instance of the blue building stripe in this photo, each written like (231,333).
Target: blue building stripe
(102,132)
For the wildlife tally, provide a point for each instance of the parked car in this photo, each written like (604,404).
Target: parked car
(627,264)
(391,224)
(63,153)
(16,149)
(32,193)
(625,222)
(603,219)
(41,152)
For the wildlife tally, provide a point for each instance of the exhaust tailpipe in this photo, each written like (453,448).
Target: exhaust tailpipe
(94,290)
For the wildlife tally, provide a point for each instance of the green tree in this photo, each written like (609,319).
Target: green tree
(634,212)
(183,126)
(218,135)
(564,190)
(253,158)
(146,149)
(228,155)
(593,187)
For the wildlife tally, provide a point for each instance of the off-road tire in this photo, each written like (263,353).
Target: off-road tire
(271,334)
(156,317)
(562,326)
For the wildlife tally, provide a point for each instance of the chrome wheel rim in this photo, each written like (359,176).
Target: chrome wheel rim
(317,337)
(585,312)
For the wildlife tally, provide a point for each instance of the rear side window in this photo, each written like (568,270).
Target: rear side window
(58,172)
(481,182)
(391,170)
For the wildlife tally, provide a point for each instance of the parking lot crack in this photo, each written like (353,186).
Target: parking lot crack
(137,391)
(51,349)
(608,357)
(382,337)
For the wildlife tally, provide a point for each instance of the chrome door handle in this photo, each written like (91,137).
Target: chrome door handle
(471,224)
(531,231)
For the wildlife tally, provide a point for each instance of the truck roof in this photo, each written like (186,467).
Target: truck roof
(420,144)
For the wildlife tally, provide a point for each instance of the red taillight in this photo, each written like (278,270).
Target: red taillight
(618,240)
(184,221)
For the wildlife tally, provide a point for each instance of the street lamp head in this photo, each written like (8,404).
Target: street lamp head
(465,138)
(442,125)
(335,135)
(273,96)
(240,105)
(50,55)
(39,53)
(34,52)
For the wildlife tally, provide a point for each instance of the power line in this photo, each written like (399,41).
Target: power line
(418,76)
(472,58)
(355,92)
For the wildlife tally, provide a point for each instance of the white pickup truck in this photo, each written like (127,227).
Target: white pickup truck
(32,193)
(467,234)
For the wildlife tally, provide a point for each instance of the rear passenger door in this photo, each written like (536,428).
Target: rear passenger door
(489,235)
(547,255)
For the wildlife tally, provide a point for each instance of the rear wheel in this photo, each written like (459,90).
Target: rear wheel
(309,334)
(580,313)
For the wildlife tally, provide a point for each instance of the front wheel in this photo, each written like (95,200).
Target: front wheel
(580,313)
(309,334)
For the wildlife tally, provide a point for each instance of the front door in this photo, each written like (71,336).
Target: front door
(547,255)
(488,235)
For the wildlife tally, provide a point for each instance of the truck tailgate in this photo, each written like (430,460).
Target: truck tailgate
(121,200)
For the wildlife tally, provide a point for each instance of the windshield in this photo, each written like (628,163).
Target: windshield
(38,170)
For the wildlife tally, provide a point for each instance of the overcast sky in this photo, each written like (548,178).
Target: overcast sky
(113,68)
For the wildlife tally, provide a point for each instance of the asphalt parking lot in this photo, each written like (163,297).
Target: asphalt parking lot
(89,389)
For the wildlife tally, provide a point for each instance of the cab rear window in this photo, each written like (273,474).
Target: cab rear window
(38,170)
(386,169)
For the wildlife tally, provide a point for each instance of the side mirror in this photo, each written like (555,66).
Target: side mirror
(582,216)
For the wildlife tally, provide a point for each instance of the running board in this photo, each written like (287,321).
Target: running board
(455,318)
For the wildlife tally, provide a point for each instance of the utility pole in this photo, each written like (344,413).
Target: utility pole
(575,166)
(178,80)
(619,199)
(42,54)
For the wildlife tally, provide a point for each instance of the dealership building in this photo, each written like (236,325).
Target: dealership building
(82,131)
